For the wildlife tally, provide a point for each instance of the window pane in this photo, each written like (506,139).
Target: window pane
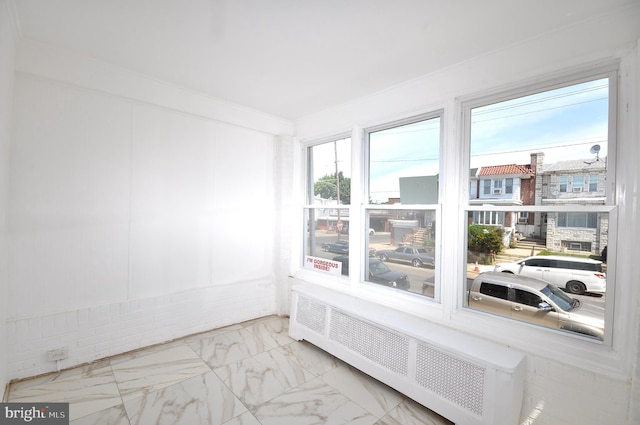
(509,185)
(404,164)
(328,196)
(403,170)
(323,250)
(550,148)
(330,173)
(401,252)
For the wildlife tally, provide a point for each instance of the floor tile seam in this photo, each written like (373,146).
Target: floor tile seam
(298,363)
(250,408)
(145,391)
(366,409)
(235,395)
(290,390)
(110,407)
(124,408)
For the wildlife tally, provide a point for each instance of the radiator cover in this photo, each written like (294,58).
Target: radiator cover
(459,376)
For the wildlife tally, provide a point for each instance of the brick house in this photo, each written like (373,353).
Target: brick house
(507,185)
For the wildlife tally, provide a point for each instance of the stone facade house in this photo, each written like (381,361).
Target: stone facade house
(574,182)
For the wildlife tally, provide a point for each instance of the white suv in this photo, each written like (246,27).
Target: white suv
(576,275)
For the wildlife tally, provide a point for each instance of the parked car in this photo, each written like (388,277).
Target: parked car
(576,275)
(531,300)
(338,247)
(379,272)
(415,255)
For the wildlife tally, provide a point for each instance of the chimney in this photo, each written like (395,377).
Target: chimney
(537,159)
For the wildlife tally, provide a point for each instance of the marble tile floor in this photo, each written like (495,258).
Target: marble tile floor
(251,373)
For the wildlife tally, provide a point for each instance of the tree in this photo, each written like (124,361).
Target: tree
(325,187)
(485,239)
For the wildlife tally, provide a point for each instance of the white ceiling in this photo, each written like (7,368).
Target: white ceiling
(293,57)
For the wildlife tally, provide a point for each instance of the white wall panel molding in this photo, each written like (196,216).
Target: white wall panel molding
(100,331)
(57,64)
(11,13)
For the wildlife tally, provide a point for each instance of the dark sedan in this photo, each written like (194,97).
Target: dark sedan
(338,247)
(379,272)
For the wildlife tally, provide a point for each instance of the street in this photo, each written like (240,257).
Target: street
(380,241)
(592,305)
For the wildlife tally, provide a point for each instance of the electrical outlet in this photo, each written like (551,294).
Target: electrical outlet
(57,354)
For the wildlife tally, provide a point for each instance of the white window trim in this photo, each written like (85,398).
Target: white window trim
(610,357)
(576,350)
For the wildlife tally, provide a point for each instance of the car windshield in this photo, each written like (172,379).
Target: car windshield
(561,299)
(377,268)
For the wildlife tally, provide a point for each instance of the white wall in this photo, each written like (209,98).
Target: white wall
(138,212)
(7,48)
(601,383)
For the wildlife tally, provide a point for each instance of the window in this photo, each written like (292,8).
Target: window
(486,187)
(403,171)
(327,206)
(563,183)
(578,219)
(508,186)
(593,183)
(527,298)
(523,217)
(578,183)
(493,290)
(576,246)
(560,206)
(489,218)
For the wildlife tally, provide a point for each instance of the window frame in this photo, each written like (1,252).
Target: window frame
(308,206)
(592,183)
(508,185)
(528,335)
(563,183)
(570,220)
(436,208)
(577,182)
(454,196)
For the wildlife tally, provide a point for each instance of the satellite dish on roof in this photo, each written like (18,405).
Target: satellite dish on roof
(595,149)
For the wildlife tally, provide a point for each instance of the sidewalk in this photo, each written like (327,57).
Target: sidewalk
(472,273)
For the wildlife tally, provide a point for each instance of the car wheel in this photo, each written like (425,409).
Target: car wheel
(384,257)
(416,262)
(576,287)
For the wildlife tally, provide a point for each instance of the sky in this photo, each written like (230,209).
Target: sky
(564,123)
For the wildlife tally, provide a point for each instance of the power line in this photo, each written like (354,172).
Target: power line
(539,110)
(535,148)
(506,105)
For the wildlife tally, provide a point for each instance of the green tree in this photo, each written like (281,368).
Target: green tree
(325,187)
(485,239)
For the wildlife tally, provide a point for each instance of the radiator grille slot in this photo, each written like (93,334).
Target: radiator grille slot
(312,315)
(456,380)
(386,348)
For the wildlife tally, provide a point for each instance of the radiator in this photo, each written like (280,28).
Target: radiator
(461,377)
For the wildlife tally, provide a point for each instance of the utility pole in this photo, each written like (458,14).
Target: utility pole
(335,154)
